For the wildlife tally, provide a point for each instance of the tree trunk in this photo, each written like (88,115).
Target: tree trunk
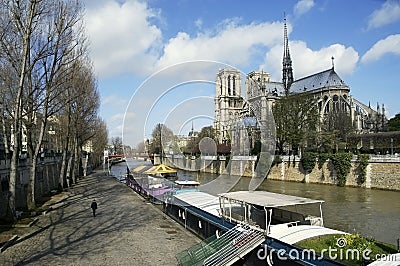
(31,201)
(62,183)
(70,168)
(77,171)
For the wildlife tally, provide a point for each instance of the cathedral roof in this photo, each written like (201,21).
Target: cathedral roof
(324,79)
(275,87)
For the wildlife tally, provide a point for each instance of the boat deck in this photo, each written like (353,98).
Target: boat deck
(201,200)
(293,234)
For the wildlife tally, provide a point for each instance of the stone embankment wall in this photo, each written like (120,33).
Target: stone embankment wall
(239,165)
(382,173)
(47,174)
(206,165)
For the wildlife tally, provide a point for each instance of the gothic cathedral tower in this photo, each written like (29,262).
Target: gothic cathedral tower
(228,102)
(287,71)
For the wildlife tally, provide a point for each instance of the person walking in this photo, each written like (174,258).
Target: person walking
(94,207)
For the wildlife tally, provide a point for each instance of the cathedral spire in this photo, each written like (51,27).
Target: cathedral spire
(287,71)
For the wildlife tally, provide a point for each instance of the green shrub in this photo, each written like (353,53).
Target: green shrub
(308,161)
(277,160)
(362,167)
(343,243)
(322,157)
(342,163)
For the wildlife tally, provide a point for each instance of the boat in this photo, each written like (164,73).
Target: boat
(250,222)
(184,186)
(238,227)
(235,225)
(116,159)
(158,182)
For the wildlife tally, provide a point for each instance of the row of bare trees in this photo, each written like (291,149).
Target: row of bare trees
(47,82)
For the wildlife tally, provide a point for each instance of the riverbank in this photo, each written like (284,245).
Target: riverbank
(370,212)
(127,230)
(382,172)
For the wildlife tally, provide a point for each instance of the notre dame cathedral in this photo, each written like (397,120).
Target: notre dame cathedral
(331,92)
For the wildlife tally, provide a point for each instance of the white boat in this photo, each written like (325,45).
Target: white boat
(184,186)
(288,218)
(285,217)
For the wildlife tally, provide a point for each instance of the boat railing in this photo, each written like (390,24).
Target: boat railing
(294,223)
(246,240)
(197,254)
(314,220)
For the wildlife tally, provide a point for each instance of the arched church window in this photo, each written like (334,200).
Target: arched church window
(336,106)
(343,105)
(234,85)
(229,85)
(335,100)
(325,98)
(327,107)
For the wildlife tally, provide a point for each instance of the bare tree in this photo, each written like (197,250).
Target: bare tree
(40,41)
(79,118)
(60,44)
(117,145)
(85,116)
(161,135)
(99,142)
(18,21)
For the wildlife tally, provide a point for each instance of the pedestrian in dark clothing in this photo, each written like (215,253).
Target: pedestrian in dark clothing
(94,207)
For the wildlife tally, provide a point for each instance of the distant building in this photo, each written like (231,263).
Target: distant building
(332,94)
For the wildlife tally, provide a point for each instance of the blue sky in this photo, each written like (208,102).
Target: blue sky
(134,42)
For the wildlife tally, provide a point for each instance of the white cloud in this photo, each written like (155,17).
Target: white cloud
(389,45)
(117,118)
(199,23)
(121,36)
(387,14)
(224,46)
(306,61)
(302,7)
(114,100)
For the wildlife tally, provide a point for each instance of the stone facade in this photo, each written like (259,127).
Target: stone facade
(228,102)
(385,175)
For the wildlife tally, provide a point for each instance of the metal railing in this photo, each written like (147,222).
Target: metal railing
(245,239)
(223,250)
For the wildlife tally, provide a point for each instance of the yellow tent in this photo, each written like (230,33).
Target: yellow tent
(160,169)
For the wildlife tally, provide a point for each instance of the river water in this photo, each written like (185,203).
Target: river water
(370,212)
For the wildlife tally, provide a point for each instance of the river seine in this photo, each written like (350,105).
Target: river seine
(370,212)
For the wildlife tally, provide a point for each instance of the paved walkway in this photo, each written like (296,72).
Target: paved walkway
(126,231)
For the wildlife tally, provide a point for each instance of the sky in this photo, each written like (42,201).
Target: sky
(156,61)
